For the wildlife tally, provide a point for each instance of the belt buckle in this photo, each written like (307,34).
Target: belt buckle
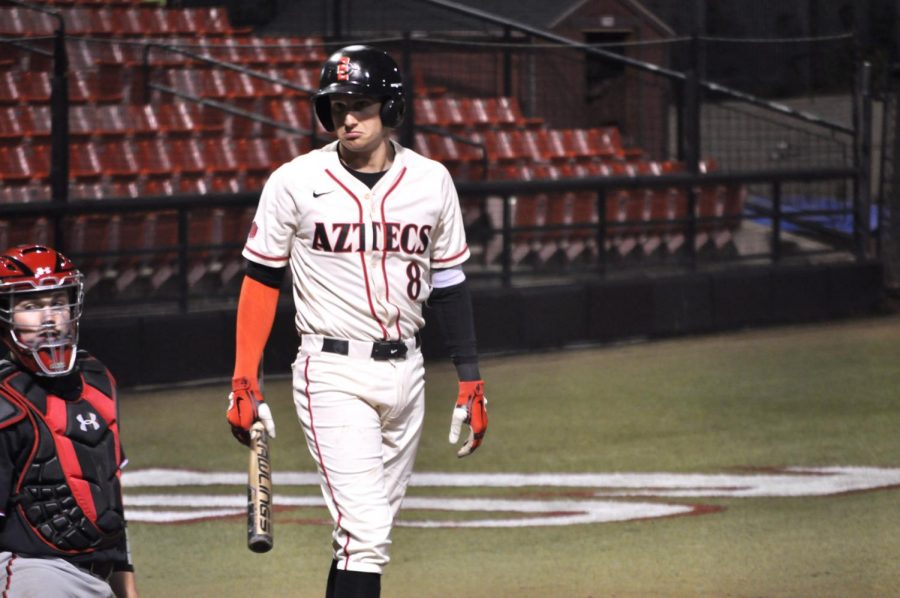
(384,350)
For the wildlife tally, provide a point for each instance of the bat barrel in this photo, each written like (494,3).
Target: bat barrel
(259,492)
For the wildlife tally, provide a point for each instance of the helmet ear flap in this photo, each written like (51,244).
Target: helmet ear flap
(392,110)
(323,112)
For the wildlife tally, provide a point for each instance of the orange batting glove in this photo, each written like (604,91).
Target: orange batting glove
(246,406)
(470,409)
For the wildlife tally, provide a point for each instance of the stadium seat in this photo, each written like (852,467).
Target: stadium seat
(13,124)
(21,22)
(219,156)
(583,213)
(89,239)
(113,121)
(187,156)
(289,111)
(82,21)
(118,160)
(157,187)
(253,156)
(81,122)
(88,87)
(176,119)
(25,231)
(492,113)
(16,166)
(154,160)
(19,194)
(34,87)
(122,189)
(84,161)
(87,191)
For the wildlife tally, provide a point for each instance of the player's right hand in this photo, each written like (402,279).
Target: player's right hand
(246,406)
(470,409)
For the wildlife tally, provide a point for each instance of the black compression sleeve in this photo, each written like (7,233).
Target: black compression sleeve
(452,308)
(271,277)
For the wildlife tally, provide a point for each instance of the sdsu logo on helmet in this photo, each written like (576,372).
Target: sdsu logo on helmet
(41,299)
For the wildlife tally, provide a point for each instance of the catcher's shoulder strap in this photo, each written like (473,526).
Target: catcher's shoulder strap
(96,374)
(11,410)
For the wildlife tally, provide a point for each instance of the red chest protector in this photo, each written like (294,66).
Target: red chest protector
(67,492)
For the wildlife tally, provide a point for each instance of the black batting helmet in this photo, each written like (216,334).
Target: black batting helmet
(361,70)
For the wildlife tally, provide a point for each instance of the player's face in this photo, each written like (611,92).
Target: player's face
(357,122)
(41,317)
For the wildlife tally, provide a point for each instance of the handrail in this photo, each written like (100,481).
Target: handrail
(523,188)
(639,64)
(229,109)
(145,66)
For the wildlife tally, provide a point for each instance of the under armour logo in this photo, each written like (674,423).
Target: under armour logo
(91,421)
(42,271)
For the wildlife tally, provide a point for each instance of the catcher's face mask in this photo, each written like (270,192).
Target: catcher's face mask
(41,298)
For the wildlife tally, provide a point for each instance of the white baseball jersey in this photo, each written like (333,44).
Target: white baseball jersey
(361,258)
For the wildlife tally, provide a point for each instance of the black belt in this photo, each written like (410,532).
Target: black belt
(381,350)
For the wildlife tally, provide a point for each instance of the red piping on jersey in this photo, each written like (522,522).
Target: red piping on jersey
(362,255)
(387,287)
(267,257)
(9,565)
(312,428)
(452,257)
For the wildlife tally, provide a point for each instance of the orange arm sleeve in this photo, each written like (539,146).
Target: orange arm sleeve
(255,315)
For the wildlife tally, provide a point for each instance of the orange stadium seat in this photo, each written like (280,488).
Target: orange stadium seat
(187,156)
(176,119)
(17,166)
(84,161)
(81,121)
(254,156)
(34,87)
(9,89)
(153,158)
(113,120)
(219,156)
(14,125)
(118,159)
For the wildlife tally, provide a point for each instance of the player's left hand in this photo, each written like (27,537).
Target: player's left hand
(470,409)
(246,406)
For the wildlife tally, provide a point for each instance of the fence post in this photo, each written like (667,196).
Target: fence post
(183,260)
(506,264)
(863,196)
(690,136)
(407,137)
(776,222)
(507,62)
(601,231)
(59,130)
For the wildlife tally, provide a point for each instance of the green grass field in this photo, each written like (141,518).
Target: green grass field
(744,403)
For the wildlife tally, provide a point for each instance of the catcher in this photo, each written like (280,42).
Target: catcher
(62,525)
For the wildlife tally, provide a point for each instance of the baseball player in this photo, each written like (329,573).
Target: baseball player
(370,231)
(62,525)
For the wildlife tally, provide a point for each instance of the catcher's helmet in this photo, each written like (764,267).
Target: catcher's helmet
(361,70)
(35,271)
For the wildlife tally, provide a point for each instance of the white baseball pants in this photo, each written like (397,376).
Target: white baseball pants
(362,419)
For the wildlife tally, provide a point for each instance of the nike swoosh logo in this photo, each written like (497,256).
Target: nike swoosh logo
(322,193)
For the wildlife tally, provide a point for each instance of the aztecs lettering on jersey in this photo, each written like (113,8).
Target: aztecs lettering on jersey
(348,237)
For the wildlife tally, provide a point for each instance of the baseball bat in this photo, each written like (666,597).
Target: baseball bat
(259,492)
